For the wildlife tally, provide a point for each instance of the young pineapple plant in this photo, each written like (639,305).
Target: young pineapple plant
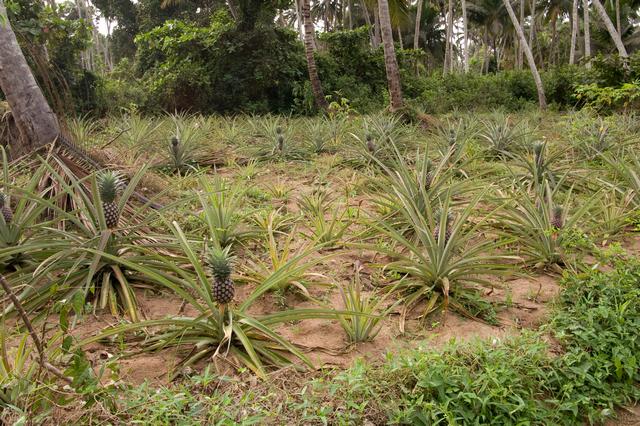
(110,184)
(5,208)
(220,266)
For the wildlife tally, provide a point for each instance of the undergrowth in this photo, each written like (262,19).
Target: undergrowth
(576,369)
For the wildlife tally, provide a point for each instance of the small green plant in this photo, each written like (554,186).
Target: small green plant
(324,230)
(362,323)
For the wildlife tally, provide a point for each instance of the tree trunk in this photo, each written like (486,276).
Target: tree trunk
(416,33)
(350,14)
(527,51)
(34,118)
(376,28)
(400,38)
(574,32)
(520,60)
(367,20)
(316,86)
(449,30)
(615,36)
(390,61)
(587,33)
(465,31)
(618,22)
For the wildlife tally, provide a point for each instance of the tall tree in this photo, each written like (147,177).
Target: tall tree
(390,61)
(574,31)
(416,33)
(33,116)
(316,86)
(465,35)
(448,54)
(527,51)
(615,36)
(587,33)
(520,59)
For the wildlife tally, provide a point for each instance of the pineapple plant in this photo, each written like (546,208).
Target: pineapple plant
(175,147)
(7,214)
(110,184)
(223,289)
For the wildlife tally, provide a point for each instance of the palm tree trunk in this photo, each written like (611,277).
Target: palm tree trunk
(316,86)
(520,60)
(390,61)
(367,20)
(33,116)
(574,32)
(587,33)
(615,36)
(527,51)
(350,14)
(416,33)
(465,31)
(400,38)
(618,23)
(449,30)
(376,29)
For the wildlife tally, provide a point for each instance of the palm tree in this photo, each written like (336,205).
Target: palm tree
(615,36)
(587,33)
(574,31)
(416,34)
(448,56)
(465,32)
(390,61)
(527,51)
(33,116)
(316,86)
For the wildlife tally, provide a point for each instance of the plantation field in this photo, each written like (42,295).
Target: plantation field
(332,270)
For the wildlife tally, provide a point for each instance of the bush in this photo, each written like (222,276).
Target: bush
(219,68)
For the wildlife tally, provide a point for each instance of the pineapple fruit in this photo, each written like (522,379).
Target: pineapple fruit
(428,178)
(223,289)
(110,184)
(5,208)
(557,219)
(371,146)
(448,219)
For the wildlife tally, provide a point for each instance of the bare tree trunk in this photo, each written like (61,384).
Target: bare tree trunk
(233,9)
(299,20)
(34,118)
(416,33)
(390,61)
(400,39)
(615,36)
(618,23)
(465,30)
(376,29)
(309,31)
(574,32)
(527,51)
(449,31)
(367,19)
(520,60)
(587,33)
(350,14)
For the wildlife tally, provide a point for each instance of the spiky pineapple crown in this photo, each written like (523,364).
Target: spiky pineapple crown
(110,183)
(220,262)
